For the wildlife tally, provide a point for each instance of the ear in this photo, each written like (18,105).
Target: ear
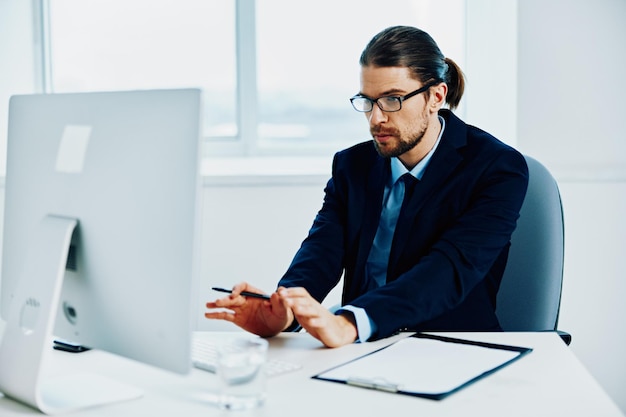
(438,95)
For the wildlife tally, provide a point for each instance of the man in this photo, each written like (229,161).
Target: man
(422,252)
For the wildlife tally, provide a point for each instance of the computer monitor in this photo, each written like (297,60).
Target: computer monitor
(100,243)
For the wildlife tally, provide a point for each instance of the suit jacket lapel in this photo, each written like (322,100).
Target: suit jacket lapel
(443,163)
(374,190)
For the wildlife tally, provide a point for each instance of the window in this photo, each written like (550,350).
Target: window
(276,74)
(99,45)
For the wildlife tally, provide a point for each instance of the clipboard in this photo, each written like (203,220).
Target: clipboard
(425,365)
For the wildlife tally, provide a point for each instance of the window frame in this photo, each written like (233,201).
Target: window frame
(245,142)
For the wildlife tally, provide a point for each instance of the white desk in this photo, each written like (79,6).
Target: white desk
(550,381)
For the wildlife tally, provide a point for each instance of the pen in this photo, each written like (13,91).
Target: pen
(377,384)
(244,293)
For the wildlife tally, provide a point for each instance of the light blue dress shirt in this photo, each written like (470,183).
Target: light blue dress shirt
(376,267)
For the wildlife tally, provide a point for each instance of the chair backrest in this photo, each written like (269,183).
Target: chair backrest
(530,294)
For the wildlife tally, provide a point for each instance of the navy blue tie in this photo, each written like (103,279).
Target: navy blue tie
(378,258)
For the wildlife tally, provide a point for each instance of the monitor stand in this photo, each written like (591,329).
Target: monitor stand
(27,342)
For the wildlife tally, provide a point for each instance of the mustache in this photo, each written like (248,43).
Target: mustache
(378,130)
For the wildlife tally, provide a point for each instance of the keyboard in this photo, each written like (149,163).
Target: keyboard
(204,357)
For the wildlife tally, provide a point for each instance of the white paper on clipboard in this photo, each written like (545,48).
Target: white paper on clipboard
(426,365)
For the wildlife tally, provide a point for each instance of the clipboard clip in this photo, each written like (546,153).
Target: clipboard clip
(380,384)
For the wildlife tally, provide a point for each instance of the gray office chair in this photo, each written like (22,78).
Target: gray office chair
(529,298)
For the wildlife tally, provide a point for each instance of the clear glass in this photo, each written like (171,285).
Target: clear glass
(308,67)
(241,373)
(103,45)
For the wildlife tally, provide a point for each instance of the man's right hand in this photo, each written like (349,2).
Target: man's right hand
(265,318)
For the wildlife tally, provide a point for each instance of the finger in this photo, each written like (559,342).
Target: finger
(303,308)
(278,303)
(220,315)
(294,292)
(238,288)
(244,286)
(227,302)
(308,308)
(292,297)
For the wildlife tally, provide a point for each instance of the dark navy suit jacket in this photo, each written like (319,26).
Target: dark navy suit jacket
(451,241)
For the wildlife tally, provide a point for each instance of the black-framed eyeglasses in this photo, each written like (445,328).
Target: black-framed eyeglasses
(386,103)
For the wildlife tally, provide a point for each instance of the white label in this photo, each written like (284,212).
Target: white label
(73,148)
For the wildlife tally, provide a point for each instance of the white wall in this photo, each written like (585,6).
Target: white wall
(491,91)
(571,89)
(571,86)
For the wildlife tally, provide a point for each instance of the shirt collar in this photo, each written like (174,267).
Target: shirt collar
(398,170)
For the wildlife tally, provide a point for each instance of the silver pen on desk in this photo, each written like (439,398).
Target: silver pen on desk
(379,384)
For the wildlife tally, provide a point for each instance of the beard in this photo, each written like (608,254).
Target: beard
(400,145)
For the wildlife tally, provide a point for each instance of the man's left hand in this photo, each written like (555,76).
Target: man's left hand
(332,330)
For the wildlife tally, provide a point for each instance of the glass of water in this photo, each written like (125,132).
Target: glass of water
(240,368)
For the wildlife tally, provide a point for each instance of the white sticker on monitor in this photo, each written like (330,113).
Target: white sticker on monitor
(73,148)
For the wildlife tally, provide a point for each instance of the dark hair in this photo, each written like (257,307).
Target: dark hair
(405,46)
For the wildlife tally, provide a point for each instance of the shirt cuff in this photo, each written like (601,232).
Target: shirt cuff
(365,327)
